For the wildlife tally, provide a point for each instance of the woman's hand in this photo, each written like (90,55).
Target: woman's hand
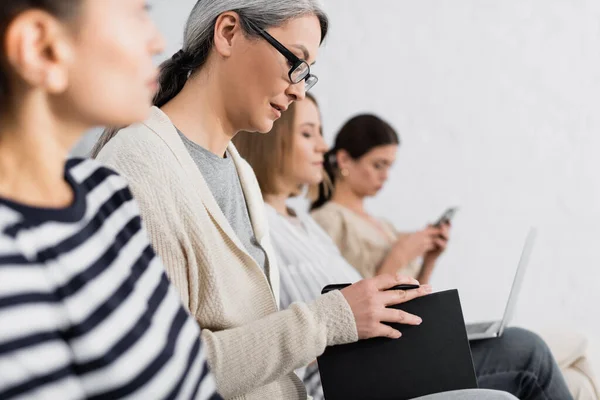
(408,247)
(430,258)
(412,245)
(369,300)
(440,243)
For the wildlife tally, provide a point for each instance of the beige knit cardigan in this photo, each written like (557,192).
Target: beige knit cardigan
(253,348)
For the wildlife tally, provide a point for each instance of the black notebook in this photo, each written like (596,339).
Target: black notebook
(431,358)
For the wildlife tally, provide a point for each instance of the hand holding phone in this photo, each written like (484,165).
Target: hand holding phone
(446,218)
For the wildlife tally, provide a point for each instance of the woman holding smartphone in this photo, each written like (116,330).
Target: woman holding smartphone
(357,168)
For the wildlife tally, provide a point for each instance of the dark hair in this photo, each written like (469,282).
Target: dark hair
(199,35)
(357,137)
(9,10)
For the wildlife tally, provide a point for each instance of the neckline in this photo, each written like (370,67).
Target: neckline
(71,213)
(289,219)
(225,160)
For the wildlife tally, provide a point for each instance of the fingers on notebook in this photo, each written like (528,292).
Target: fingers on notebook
(401,317)
(388,332)
(393,297)
(424,290)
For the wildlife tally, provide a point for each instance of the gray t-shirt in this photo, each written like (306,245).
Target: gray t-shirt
(223,180)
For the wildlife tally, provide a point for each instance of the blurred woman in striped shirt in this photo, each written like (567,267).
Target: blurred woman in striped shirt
(86,310)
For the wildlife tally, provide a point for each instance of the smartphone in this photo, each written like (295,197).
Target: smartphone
(446,216)
(340,286)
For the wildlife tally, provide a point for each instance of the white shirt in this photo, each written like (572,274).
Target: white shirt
(307,257)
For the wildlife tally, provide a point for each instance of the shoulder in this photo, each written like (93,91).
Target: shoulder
(314,228)
(141,157)
(147,142)
(329,214)
(84,169)
(136,142)
(96,178)
(307,219)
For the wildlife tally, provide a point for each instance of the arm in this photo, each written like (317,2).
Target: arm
(395,259)
(424,275)
(260,352)
(440,243)
(407,248)
(24,340)
(401,261)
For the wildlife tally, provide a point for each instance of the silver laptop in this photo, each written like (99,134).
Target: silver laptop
(488,330)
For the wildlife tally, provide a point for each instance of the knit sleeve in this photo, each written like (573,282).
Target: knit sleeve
(262,351)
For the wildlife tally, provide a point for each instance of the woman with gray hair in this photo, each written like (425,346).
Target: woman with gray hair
(242,64)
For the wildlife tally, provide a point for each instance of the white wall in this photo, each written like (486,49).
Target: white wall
(496,103)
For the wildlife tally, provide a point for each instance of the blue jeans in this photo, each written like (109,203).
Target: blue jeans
(520,363)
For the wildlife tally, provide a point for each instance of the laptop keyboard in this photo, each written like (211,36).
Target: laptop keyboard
(481,327)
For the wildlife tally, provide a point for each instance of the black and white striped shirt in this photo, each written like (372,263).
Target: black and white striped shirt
(86,310)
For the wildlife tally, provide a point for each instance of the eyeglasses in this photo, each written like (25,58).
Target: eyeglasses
(300,70)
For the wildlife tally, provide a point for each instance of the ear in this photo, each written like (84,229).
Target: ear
(344,159)
(227,28)
(37,51)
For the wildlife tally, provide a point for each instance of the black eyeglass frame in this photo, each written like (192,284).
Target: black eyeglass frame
(310,79)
